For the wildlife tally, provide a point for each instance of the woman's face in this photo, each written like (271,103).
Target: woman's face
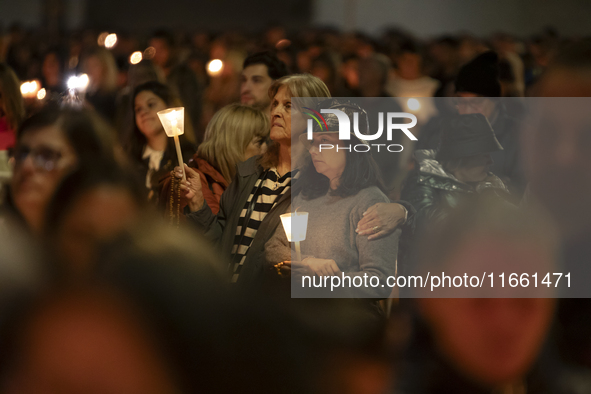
(42,158)
(325,157)
(281,118)
(147,104)
(474,168)
(256,147)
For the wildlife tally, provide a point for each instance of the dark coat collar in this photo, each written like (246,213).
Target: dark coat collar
(249,167)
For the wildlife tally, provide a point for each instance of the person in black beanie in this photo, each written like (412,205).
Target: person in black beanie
(443,178)
(478,90)
(480,77)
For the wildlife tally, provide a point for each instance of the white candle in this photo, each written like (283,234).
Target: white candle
(173,121)
(295,225)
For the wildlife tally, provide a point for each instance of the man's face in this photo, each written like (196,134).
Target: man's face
(254,88)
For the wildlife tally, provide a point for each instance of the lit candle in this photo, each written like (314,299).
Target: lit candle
(295,225)
(30,89)
(173,121)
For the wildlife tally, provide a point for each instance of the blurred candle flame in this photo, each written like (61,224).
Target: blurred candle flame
(41,94)
(135,57)
(111,40)
(215,67)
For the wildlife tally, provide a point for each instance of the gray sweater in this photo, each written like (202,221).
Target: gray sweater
(331,235)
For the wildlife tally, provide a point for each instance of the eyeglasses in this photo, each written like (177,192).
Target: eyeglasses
(43,158)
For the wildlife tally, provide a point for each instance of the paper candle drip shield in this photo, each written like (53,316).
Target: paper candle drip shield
(173,121)
(295,225)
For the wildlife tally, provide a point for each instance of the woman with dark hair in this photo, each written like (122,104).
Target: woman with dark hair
(138,74)
(148,146)
(52,69)
(49,145)
(336,186)
(92,205)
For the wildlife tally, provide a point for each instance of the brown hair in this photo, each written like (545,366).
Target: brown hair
(135,140)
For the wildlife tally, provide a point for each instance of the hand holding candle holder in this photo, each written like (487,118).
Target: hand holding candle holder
(173,121)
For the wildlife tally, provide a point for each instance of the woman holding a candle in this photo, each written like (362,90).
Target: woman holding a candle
(235,133)
(261,190)
(336,187)
(148,146)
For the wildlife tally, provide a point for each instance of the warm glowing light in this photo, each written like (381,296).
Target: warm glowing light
(83,82)
(135,57)
(282,44)
(149,53)
(79,83)
(30,88)
(215,67)
(24,88)
(73,82)
(111,40)
(295,225)
(413,104)
(41,94)
(173,120)
(101,38)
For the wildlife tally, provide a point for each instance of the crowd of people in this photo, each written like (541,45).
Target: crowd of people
(123,270)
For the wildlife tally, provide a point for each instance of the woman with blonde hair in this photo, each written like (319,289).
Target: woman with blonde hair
(235,133)
(260,191)
(12,107)
(101,68)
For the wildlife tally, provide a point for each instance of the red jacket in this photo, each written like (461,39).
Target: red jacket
(213,185)
(7,135)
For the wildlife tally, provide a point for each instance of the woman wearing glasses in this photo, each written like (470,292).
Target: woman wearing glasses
(49,145)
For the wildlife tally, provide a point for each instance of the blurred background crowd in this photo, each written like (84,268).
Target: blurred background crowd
(115,271)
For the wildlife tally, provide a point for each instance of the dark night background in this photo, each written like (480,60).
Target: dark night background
(422,17)
(189,14)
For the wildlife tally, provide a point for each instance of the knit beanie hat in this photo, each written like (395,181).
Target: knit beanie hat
(480,76)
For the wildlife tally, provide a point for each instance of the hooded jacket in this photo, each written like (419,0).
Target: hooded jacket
(432,190)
